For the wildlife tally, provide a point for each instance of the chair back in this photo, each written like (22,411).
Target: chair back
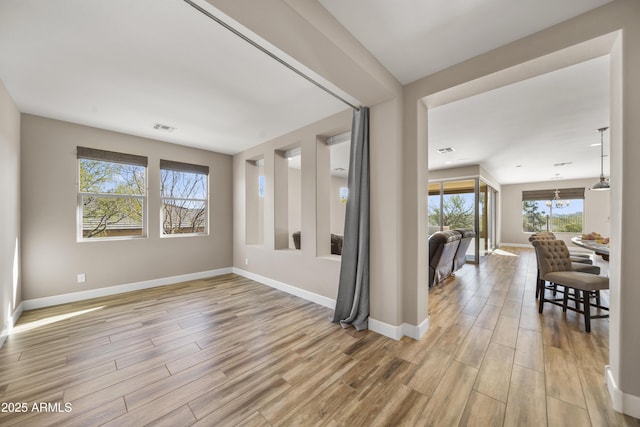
(460,258)
(442,250)
(552,255)
(542,235)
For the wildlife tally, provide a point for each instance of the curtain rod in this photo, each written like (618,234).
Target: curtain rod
(269,53)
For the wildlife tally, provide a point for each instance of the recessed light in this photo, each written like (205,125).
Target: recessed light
(446,150)
(597,144)
(448,162)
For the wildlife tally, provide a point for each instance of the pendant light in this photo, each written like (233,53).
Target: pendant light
(603,184)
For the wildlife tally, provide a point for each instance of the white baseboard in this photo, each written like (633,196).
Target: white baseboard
(309,296)
(620,401)
(390,331)
(6,329)
(397,332)
(394,332)
(119,289)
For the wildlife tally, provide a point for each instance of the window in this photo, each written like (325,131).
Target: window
(185,200)
(261,186)
(540,212)
(344,194)
(111,195)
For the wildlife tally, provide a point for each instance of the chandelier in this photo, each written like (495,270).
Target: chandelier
(557,201)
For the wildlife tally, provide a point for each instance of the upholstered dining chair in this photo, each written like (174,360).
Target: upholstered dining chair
(584,265)
(555,267)
(575,256)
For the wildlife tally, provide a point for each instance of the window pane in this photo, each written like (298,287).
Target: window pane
(111,216)
(541,216)
(458,205)
(569,218)
(183,185)
(434,208)
(111,178)
(183,216)
(184,202)
(261,186)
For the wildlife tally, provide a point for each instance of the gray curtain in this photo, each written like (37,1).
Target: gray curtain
(352,304)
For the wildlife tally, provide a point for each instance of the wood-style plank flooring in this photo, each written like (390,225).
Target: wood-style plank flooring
(229,351)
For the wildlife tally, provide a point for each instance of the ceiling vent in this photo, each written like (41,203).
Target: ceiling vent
(163,128)
(562,164)
(446,150)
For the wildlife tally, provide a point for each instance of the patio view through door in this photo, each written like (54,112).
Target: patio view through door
(465,204)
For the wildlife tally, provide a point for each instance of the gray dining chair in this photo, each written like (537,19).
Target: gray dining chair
(555,267)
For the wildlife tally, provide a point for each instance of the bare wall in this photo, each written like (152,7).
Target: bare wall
(10,279)
(52,257)
(308,269)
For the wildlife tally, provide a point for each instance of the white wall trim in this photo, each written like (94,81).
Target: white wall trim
(119,289)
(416,332)
(620,401)
(6,329)
(397,332)
(390,331)
(304,294)
(382,328)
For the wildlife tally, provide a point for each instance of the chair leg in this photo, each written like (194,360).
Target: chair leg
(587,310)
(539,283)
(565,299)
(541,299)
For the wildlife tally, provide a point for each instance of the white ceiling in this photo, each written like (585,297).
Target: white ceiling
(535,123)
(415,38)
(127,65)
(519,132)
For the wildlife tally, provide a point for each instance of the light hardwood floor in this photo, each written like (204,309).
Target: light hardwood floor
(229,351)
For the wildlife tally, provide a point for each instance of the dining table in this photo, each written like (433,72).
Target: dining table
(601,249)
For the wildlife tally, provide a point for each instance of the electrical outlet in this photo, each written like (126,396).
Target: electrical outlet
(82,278)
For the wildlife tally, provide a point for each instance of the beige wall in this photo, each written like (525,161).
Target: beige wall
(614,29)
(52,257)
(10,277)
(307,269)
(597,209)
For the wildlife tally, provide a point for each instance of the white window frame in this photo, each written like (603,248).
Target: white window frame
(179,167)
(109,157)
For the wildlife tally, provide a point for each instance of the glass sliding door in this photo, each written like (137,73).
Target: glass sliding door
(452,206)
(434,201)
(483,219)
(465,204)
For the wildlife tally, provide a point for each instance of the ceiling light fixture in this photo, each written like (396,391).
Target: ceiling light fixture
(603,184)
(559,203)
